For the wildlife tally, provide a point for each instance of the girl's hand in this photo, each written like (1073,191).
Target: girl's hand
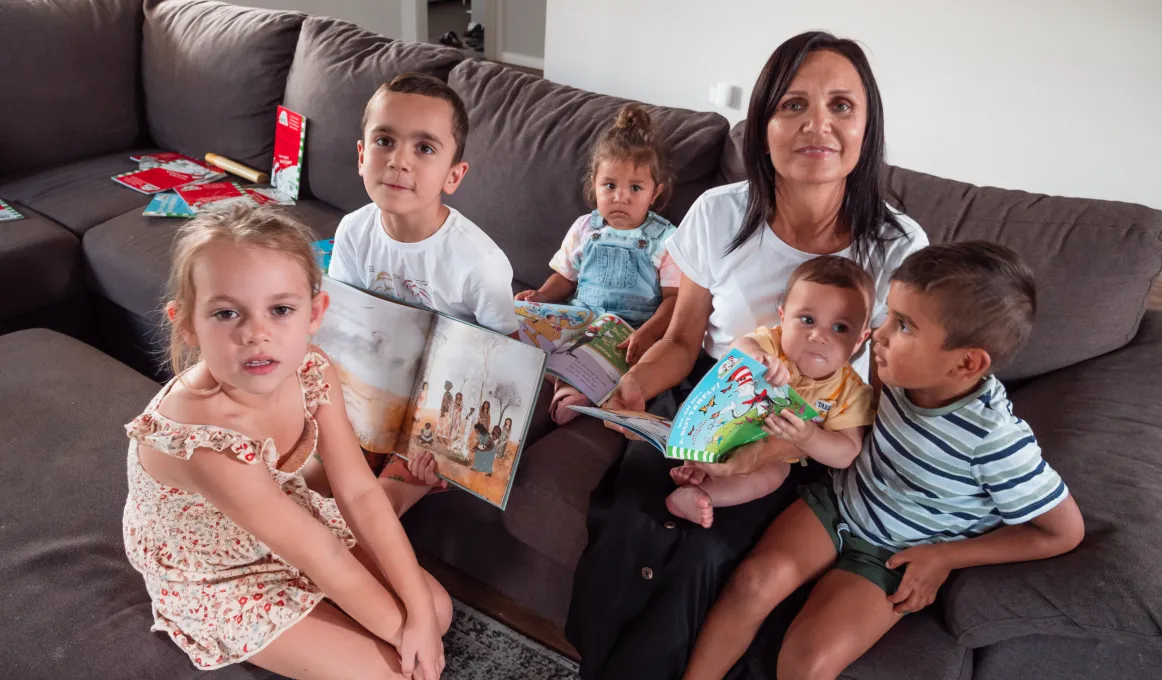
(627,396)
(636,345)
(790,428)
(421,650)
(423,467)
(529,296)
(925,573)
(777,372)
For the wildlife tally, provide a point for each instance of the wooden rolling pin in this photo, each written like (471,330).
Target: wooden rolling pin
(236,168)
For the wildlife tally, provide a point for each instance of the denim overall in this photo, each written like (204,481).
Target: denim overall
(618,275)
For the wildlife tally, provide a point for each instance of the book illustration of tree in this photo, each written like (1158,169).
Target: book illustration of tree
(488,348)
(505,395)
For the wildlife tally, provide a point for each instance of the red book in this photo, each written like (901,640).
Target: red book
(290,134)
(215,194)
(170,175)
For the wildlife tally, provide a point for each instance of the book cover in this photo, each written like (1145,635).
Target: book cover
(213,195)
(268,196)
(169,175)
(290,136)
(323,250)
(149,160)
(726,410)
(168,204)
(415,380)
(581,345)
(8,213)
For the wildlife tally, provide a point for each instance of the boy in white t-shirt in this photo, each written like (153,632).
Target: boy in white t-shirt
(407,244)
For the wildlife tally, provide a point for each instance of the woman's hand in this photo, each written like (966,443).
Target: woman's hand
(788,427)
(637,344)
(423,467)
(777,372)
(529,296)
(627,396)
(421,650)
(748,459)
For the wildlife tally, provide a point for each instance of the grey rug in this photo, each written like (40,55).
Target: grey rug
(478,647)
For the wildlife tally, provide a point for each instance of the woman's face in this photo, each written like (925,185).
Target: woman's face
(816,134)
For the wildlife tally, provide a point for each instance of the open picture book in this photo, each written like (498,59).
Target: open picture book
(582,345)
(726,410)
(415,380)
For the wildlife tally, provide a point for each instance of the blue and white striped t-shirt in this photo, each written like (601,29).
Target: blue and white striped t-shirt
(931,475)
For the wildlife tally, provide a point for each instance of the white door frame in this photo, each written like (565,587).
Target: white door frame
(414,20)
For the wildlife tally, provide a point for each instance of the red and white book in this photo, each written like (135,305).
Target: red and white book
(199,197)
(172,174)
(290,135)
(8,213)
(149,160)
(268,196)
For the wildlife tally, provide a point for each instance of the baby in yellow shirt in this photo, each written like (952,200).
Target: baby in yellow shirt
(824,316)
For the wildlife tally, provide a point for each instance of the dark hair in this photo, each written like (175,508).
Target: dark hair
(985,295)
(631,138)
(418,83)
(864,211)
(834,270)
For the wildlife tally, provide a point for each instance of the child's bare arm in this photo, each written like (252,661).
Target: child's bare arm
(652,330)
(556,289)
(366,507)
(833,448)
(1052,533)
(748,346)
(248,496)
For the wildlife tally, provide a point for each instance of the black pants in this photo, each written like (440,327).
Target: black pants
(647,579)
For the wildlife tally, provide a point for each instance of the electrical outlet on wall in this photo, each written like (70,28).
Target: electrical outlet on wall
(725,95)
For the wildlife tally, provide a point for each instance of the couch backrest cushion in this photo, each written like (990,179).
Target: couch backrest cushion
(529,147)
(68,80)
(336,69)
(1094,261)
(214,75)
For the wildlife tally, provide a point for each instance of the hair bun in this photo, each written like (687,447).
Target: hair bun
(633,118)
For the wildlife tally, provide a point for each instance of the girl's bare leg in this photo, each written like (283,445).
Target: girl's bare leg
(440,597)
(844,616)
(328,645)
(794,549)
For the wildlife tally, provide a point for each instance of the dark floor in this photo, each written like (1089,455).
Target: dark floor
(452,15)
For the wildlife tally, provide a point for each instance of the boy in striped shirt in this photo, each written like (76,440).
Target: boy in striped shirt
(948,478)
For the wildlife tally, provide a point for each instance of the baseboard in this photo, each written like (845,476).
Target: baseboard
(523,60)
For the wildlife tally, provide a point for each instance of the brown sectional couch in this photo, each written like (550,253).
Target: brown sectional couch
(91,81)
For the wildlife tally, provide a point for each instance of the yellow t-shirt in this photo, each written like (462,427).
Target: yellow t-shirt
(843,400)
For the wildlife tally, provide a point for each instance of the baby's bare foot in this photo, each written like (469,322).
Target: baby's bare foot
(565,397)
(692,503)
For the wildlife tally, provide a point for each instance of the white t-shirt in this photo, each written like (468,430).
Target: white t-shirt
(748,284)
(457,271)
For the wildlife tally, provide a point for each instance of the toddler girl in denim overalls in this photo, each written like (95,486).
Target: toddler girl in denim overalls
(614,260)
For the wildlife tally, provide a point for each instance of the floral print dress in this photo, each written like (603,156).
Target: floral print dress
(217,591)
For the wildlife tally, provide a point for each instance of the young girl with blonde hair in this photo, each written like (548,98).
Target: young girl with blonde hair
(243,562)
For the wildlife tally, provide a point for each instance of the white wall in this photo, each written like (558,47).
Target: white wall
(384,17)
(1056,96)
(524,28)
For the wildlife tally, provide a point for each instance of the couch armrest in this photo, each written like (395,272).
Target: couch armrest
(1099,424)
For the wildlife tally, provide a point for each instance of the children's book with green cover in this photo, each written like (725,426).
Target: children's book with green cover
(726,410)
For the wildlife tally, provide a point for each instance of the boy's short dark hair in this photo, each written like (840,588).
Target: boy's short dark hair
(985,295)
(428,86)
(841,272)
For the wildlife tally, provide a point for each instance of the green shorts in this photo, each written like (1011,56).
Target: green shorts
(854,554)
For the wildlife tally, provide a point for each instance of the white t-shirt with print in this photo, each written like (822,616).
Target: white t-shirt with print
(748,284)
(458,271)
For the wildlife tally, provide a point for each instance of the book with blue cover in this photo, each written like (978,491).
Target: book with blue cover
(726,410)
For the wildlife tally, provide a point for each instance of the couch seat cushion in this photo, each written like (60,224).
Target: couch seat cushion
(214,75)
(528,150)
(127,258)
(81,194)
(556,475)
(38,263)
(336,69)
(74,606)
(69,72)
(1100,426)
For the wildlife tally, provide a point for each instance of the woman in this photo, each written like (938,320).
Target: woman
(813,149)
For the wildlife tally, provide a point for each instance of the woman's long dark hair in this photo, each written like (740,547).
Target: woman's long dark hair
(864,210)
